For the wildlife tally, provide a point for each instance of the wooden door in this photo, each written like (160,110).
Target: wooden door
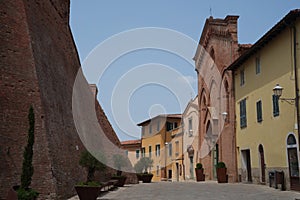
(293,162)
(262,164)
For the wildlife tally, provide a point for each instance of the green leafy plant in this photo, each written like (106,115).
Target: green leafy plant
(88,161)
(143,165)
(89,184)
(24,192)
(220,165)
(27,194)
(199,166)
(119,162)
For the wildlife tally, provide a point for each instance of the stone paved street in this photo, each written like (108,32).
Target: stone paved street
(203,191)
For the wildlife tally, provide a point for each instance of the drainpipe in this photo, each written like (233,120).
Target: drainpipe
(296,80)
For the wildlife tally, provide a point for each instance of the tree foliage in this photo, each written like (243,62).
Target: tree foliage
(119,162)
(88,161)
(27,168)
(143,165)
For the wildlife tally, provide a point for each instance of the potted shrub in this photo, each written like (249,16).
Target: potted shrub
(221,172)
(23,192)
(199,172)
(90,189)
(119,162)
(142,167)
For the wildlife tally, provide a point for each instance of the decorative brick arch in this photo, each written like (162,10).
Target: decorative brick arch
(219,40)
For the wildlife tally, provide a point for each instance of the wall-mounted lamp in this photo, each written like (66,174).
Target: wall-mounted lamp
(277,91)
(224,115)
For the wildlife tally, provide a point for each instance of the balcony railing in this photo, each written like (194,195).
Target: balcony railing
(176,131)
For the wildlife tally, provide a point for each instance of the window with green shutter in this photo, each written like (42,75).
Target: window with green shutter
(259,111)
(150,151)
(275,105)
(243,114)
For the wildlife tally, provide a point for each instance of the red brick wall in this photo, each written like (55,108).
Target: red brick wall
(221,36)
(38,66)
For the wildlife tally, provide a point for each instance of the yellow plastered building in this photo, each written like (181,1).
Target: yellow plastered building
(157,144)
(266,124)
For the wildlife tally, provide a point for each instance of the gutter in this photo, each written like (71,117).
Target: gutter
(296,79)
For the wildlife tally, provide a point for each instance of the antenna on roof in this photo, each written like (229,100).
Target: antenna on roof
(210,11)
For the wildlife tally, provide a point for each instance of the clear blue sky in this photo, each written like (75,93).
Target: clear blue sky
(94,21)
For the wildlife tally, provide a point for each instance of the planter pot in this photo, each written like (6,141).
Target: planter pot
(146,178)
(121,180)
(200,175)
(139,177)
(222,175)
(88,192)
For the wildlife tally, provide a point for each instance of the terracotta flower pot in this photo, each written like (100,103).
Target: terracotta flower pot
(88,192)
(146,178)
(222,175)
(200,176)
(121,180)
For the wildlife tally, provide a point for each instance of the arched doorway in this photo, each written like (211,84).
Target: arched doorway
(262,163)
(293,162)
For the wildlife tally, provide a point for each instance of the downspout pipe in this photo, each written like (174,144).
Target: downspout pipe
(296,79)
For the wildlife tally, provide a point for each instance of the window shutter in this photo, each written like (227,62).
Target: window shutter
(243,115)
(275,105)
(259,111)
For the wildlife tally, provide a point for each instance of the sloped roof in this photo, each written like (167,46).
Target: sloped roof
(179,116)
(273,32)
(128,142)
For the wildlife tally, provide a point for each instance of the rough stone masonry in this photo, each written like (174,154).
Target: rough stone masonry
(38,64)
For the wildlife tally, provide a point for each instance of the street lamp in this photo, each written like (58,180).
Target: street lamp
(277,90)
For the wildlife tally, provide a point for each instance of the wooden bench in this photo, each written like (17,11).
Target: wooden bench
(108,185)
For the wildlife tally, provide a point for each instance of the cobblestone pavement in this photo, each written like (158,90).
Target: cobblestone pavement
(203,191)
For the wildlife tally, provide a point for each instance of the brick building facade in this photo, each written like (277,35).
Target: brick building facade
(39,63)
(218,47)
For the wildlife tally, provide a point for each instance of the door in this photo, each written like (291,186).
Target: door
(262,163)
(248,160)
(215,160)
(177,172)
(170,174)
(293,162)
(247,163)
(192,167)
